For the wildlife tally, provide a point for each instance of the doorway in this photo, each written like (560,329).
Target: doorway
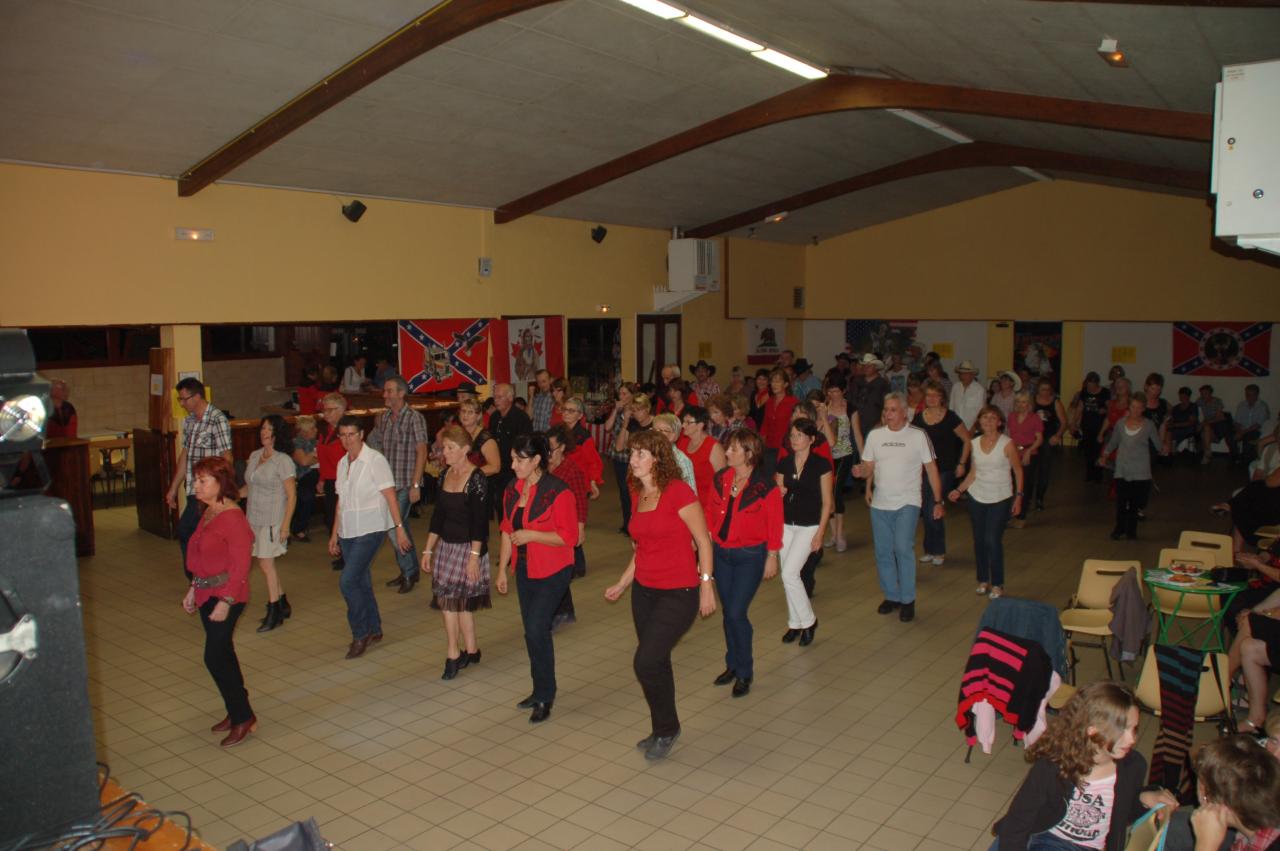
(657,343)
(595,356)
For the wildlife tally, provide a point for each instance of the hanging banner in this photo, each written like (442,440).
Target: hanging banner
(440,354)
(1037,348)
(1224,349)
(523,346)
(766,338)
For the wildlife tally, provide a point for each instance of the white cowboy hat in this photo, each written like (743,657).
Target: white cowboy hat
(870,359)
(967,366)
(1013,376)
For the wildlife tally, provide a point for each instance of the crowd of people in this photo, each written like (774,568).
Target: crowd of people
(721,488)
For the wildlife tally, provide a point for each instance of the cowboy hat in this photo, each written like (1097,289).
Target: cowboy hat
(869,359)
(967,366)
(1012,376)
(702,364)
(802,366)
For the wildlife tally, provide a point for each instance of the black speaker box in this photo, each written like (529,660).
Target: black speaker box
(49,773)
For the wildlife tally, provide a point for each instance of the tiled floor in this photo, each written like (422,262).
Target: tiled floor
(847,744)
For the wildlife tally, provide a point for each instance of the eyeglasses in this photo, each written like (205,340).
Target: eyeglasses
(185,398)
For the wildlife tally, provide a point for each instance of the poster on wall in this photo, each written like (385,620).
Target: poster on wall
(885,337)
(1037,348)
(440,354)
(524,345)
(766,338)
(1223,349)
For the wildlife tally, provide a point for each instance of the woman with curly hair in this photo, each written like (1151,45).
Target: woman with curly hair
(1084,788)
(671,585)
(457,553)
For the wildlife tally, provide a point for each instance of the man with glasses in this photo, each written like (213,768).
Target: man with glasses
(367,511)
(400,434)
(205,433)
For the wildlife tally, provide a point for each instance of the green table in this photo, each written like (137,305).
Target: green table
(1218,598)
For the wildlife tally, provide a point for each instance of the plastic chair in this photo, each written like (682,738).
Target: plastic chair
(1088,612)
(1211,544)
(1144,834)
(1213,701)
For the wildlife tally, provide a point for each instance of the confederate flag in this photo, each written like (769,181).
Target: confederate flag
(1224,349)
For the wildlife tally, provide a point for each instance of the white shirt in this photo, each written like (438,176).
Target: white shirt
(360,485)
(967,401)
(1088,817)
(992,472)
(352,381)
(899,457)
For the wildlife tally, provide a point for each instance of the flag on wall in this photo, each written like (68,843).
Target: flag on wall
(523,346)
(766,338)
(1224,349)
(882,336)
(440,354)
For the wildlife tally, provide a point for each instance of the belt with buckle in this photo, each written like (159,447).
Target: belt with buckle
(210,581)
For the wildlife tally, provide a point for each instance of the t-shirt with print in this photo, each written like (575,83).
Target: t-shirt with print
(1088,816)
(899,457)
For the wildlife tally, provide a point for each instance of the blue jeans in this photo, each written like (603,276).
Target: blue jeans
(407,560)
(739,571)
(357,588)
(539,599)
(989,519)
(935,531)
(1044,842)
(624,496)
(894,533)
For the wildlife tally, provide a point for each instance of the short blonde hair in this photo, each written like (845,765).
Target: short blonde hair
(334,399)
(304,421)
(667,418)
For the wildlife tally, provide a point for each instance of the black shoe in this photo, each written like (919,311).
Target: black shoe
(450,668)
(285,608)
(647,742)
(1117,534)
(337,564)
(407,585)
(463,660)
(1039,506)
(527,703)
(806,635)
(887,606)
(741,687)
(399,580)
(908,612)
(790,636)
(273,618)
(661,746)
(541,712)
(727,677)
(472,658)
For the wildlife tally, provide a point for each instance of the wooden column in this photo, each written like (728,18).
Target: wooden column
(68,461)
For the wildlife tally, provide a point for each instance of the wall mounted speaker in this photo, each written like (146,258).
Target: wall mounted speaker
(353,211)
(598,233)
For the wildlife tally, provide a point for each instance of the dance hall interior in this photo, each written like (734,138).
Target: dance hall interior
(251,208)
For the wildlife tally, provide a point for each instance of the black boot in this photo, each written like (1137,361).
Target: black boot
(273,618)
(285,609)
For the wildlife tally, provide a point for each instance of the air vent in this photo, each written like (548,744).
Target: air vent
(797,298)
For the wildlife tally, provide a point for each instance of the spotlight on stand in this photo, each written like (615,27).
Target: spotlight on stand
(24,403)
(353,211)
(598,233)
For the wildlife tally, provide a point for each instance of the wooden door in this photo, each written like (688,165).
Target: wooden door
(154,456)
(657,343)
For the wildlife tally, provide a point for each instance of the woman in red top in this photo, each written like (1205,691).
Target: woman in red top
(561,441)
(671,585)
(776,417)
(584,453)
(218,556)
(744,516)
(310,394)
(1026,430)
(62,415)
(540,528)
(705,452)
(329,452)
(559,393)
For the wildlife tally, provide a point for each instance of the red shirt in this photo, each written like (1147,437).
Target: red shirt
(702,469)
(310,399)
(329,452)
(561,517)
(757,512)
(820,448)
(62,421)
(690,398)
(571,474)
(223,545)
(665,557)
(1023,434)
(777,420)
(586,456)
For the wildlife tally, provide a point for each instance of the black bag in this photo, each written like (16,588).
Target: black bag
(299,836)
(1230,574)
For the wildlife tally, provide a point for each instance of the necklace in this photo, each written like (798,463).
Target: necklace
(738,482)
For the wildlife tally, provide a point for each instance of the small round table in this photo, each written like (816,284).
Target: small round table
(1224,592)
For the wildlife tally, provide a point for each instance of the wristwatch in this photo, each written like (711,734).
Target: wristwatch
(705,577)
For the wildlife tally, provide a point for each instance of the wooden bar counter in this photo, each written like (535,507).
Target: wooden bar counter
(68,461)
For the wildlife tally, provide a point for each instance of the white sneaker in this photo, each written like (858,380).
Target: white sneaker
(997,592)
(926,558)
(982,589)
(841,545)
(938,560)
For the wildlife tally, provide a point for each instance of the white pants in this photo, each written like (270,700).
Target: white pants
(796,544)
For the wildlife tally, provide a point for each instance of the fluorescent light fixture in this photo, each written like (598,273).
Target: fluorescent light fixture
(656,7)
(1111,53)
(1032,173)
(193,234)
(929,124)
(788,63)
(776,217)
(720,33)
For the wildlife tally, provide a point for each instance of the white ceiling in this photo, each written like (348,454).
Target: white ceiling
(154,86)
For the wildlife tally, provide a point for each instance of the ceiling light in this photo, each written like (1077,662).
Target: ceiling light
(788,63)
(1111,53)
(721,33)
(929,124)
(603,308)
(656,7)
(776,217)
(196,234)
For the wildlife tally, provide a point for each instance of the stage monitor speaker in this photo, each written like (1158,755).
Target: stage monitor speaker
(49,775)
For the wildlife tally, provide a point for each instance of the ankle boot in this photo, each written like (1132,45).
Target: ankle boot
(273,618)
(285,609)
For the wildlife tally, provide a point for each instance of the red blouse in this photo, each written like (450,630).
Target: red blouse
(329,452)
(586,455)
(702,469)
(665,556)
(223,545)
(777,420)
(757,512)
(560,517)
(571,474)
(310,399)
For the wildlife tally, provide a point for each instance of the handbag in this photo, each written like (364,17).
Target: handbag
(299,836)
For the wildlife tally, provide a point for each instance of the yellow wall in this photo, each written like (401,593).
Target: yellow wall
(1045,251)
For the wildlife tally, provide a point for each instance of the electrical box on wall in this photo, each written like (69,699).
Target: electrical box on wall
(1246,155)
(693,264)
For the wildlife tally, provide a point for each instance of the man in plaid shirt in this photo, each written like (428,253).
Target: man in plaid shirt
(400,434)
(205,433)
(542,403)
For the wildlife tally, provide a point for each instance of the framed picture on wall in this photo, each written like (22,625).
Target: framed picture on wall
(1037,349)
(766,338)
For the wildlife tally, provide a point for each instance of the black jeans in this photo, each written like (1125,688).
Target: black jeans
(1091,448)
(1048,457)
(539,599)
(989,519)
(1030,480)
(566,613)
(662,616)
(935,531)
(187,525)
(624,496)
(1131,495)
(330,502)
(306,502)
(220,659)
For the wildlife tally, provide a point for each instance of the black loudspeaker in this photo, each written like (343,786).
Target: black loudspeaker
(353,211)
(598,233)
(49,774)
